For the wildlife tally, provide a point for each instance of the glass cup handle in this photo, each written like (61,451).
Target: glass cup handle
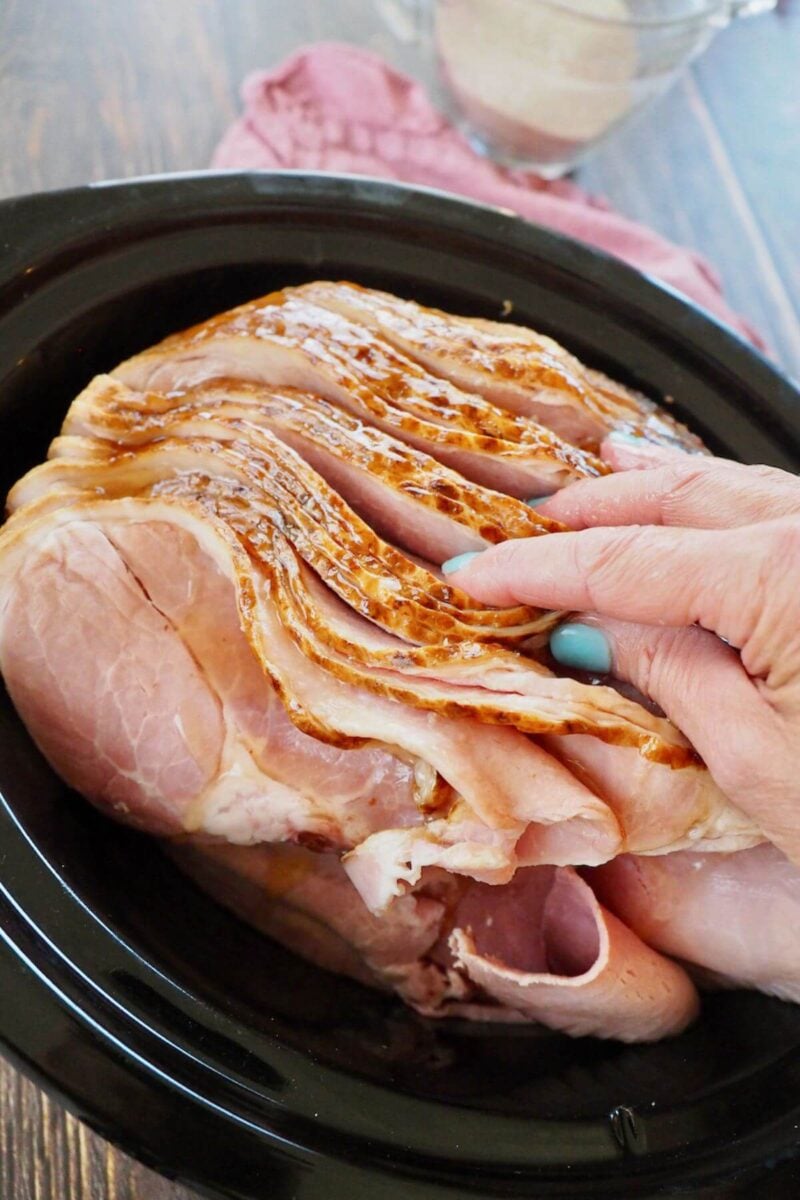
(749,8)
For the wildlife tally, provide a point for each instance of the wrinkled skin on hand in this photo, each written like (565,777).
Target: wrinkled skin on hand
(691,567)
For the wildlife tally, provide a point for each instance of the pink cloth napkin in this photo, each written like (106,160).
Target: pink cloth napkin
(333,107)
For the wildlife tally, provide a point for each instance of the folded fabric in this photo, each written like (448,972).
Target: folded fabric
(332,107)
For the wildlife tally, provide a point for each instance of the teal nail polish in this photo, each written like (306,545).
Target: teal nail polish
(532,501)
(460,560)
(583,646)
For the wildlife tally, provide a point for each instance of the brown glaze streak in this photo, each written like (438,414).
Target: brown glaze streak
(261,461)
(118,413)
(390,388)
(405,607)
(311,631)
(499,351)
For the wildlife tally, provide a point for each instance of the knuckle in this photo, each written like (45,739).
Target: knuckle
(663,666)
(604,560)
(687,487)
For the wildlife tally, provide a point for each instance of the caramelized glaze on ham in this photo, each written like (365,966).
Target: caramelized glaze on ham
(513,367)
(282,339)
(221,621)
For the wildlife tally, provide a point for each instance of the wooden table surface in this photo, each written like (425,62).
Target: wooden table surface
(93,90)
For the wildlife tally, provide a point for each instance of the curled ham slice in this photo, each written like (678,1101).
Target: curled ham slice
(540,948)
(545,947)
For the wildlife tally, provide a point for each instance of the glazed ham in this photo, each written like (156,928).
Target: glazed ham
(222,621)
(510,366)
(284,339)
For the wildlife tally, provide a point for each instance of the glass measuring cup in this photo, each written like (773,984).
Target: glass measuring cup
(539,83)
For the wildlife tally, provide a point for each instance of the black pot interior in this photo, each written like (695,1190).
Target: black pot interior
(112,272)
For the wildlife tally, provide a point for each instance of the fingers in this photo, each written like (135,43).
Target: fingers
(702,686)
(655,485)
(720,580)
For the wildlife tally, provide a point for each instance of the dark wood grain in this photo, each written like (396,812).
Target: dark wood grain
(45,1154)
(94,90)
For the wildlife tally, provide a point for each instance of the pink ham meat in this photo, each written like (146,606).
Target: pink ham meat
(510,366)
(169,722)
(539,948)
(736,916)
(287,340)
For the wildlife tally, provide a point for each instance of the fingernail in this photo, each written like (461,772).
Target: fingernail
(460,560)
(583,646)
(532,501)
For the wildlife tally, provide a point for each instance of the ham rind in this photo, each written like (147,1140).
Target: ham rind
(540,948)
(405,495)
(735,916)
(545,947)
(281,340)
(506,780)
(509,365)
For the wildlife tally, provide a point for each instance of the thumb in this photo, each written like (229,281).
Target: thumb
(701,685)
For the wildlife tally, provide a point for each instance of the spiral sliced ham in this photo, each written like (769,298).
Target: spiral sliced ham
(222,621)
(491,684)
(282,339)
(404,494)
(509,784)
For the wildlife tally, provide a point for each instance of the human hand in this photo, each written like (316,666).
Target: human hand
(689,569)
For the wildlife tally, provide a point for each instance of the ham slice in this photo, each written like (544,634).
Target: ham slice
(736,916)
(511,366)
(305,901)
(544,947)
(142,691)
(541,948)
(284,340)
(249,484)
(659,810)
(405,495)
